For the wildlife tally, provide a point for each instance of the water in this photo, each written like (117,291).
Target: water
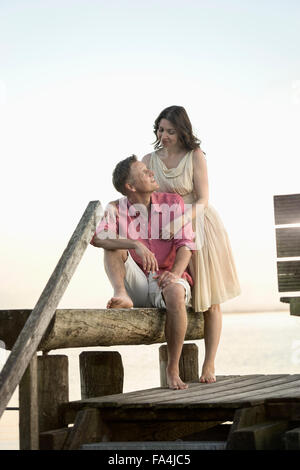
(251,343)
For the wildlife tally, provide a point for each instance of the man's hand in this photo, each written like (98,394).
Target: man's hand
(166,278)
(148,259)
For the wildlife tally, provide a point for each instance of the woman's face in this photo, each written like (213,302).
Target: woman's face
(167,134)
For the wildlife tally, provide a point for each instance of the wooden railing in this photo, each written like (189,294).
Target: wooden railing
(22,355)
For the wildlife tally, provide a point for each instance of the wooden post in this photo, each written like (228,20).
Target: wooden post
(188,363)
(28,408)
(53,389)
(101,373)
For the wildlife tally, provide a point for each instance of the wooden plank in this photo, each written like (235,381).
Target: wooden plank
(36,325)
(209,393)
(72,328)
(288,276)
(288,242)
(28,405)
(271,391)
(295,306)
(88,427)
(287,209)
(178,395)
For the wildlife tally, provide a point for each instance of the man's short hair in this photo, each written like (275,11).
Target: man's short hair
(121,173)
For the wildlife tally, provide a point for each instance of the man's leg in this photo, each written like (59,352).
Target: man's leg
(212,333)
(175,330)
(114,266)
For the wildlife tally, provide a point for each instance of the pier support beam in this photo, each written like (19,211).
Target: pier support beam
(188,363)
(101,373)
(53,389)
(28,408)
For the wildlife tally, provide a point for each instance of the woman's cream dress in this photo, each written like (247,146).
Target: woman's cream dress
(212,265)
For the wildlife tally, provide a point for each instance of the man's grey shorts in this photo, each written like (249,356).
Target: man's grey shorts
(145,292)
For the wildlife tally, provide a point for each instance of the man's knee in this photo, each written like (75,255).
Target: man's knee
(174,294)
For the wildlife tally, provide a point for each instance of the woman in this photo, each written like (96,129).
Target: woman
(179,165)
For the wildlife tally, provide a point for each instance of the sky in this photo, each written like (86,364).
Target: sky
(81,83)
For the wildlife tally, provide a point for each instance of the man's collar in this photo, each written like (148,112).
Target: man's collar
(154,204)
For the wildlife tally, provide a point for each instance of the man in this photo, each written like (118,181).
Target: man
(144,269)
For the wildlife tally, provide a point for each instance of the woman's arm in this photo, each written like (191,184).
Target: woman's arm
(200,177)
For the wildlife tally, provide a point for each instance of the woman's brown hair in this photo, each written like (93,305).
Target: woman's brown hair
(177,115)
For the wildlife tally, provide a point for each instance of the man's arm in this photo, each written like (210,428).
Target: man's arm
(149,261)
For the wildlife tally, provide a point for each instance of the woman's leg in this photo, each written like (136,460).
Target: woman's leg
(212,333)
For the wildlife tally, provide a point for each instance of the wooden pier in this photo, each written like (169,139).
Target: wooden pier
(240,412)
(237,412)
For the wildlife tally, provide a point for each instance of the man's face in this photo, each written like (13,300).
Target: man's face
(142,179)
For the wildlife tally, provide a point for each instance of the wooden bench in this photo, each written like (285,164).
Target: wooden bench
(287,215)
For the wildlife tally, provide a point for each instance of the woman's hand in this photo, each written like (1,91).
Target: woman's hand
(169,230)
(148,258)
(166,278)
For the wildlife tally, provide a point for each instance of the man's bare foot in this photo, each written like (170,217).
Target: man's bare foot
(120,301)
(174,381)
(208,374)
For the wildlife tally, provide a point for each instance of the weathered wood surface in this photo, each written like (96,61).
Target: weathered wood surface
(188,363)
(28,405)
(101,373)
(287,209)
(288,273)
(71,328)
(288,242)
(37,323)
(53,390)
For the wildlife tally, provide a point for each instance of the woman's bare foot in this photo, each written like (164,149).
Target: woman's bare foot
(174,381)
(120,300)
(208,374)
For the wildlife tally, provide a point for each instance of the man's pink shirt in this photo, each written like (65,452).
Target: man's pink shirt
(124,220)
